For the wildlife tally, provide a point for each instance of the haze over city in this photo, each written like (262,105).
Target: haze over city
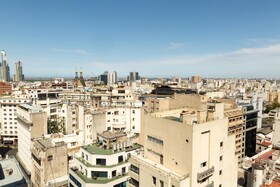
(156,38)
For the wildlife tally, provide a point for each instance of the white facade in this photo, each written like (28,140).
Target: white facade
(112,78)
(123,119)
(32,123)
(8,118)
(97,167)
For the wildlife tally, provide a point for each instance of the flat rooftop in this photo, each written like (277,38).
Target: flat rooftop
(94,149)
(10,173)
(31,108)
(111,135)
(43,143)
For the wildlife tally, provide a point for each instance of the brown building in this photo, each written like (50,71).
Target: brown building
(5,88)
(196,79)
(49,163)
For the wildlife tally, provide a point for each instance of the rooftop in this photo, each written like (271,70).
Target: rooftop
(43,143)
(10,173)
(31,108)
(265,131)
(95,149)
(111,135)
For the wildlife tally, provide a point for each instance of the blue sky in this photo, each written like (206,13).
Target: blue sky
(157,38)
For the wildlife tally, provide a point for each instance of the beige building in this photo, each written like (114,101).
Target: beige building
(187,147)
(49,163)
(32,123)
(273,97)
(235,127)
(153,104)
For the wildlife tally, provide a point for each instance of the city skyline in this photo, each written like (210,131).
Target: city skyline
(158,38)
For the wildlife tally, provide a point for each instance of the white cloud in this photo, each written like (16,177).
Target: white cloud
(257,61)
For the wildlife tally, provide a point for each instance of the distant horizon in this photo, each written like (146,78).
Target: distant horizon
(156,38)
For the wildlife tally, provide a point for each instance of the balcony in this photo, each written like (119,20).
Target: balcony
(119,124)
(133,175)
(205,174)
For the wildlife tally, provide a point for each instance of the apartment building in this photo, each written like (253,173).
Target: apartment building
(49,163)
(187,147)
(103,163)
(124,119)
(8,119)
(32,123)
(235,127)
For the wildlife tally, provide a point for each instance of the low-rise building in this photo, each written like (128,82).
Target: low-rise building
(103,163)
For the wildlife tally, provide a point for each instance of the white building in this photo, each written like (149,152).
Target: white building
(112,78)
(8,118)
(101,166)
(123,119)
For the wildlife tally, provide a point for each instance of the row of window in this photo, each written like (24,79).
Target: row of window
(10,122)
(15,118)
(10,110)
(11,132)
(155,140)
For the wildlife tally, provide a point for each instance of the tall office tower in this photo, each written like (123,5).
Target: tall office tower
(18,74)
(133,76)
(104,77)
(112,78)
(5,69)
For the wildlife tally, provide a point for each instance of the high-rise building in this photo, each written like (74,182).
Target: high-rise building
(4,67)
(133,76)
(112,78)
(18,76)
(104,77)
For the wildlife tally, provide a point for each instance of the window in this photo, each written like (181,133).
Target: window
(100,161)
(220,185)
(114,173)
(120,159)
(133,111)
(134,169)
(221,144)
(161,183)
(75,181)
(123,170)
(221,158)
(101,174)
(83,155)
(220,172)
(155,140)
(50,157)
(53,110)
(154,181)
(203,164)
(86,157)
